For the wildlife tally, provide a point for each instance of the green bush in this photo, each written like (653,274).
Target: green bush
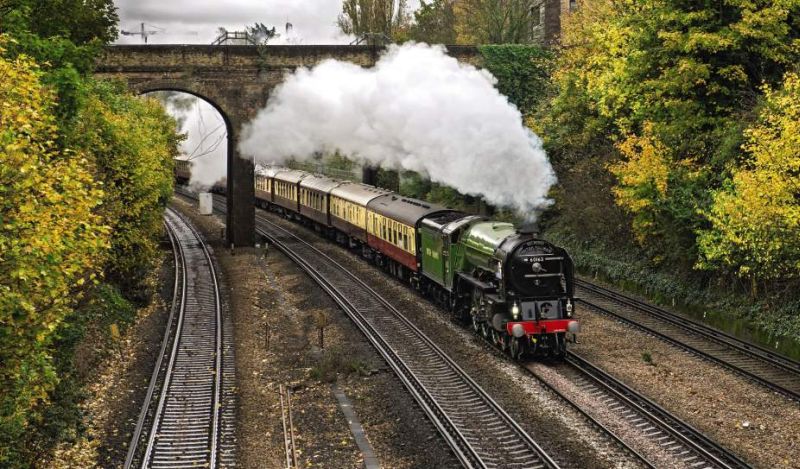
(522,72)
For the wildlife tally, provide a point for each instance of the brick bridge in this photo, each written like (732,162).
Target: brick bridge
(237,81)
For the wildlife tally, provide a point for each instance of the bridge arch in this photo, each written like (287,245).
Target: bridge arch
(239,201)
(195,89)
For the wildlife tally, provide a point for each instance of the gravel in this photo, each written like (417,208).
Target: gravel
(760,425)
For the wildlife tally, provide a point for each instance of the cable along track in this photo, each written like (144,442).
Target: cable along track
(774,371)
(179,425)
(479,431)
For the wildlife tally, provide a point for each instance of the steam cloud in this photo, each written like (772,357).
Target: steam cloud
(418,109)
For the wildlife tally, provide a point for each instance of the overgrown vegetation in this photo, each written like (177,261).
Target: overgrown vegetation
(85,171)
(672,128)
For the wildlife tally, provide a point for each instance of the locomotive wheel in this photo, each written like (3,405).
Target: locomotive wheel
(485,330)
(495,338)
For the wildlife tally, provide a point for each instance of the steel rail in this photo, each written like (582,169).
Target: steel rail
(592,420)
(185,428)
(777,375)
(681,435)
(697,326)
(180,277)
(683,439)
(742,345)
(447,412)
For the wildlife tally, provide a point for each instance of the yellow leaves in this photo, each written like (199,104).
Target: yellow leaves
(46,252)
(756,220)
(645,165)
(113,330)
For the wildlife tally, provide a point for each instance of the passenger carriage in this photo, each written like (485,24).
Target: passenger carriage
(392,224)
(285,190)
(264,180)
(348,208)
(315,198)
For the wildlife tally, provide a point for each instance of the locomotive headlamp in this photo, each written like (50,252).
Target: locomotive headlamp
(569,308)
(515,311)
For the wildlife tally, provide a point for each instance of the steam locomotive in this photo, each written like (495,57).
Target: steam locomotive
(513,288)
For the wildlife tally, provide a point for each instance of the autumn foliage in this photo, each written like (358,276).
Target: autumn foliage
(80,203)
(668,93)
(52,241)
(755,217)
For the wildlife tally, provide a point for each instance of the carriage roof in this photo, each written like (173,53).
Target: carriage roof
(320,183)
(292,176)
(358,193)
(404,209)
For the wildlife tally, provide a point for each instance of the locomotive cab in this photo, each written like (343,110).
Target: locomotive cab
(539,284)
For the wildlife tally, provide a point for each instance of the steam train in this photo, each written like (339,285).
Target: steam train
(515,289)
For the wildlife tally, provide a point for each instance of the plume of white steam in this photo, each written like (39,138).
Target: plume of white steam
(418,109)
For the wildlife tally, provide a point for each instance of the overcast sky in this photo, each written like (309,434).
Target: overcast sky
(197,21)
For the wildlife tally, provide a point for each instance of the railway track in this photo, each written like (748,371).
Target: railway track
(774,371)
(181,423)
(687,446)
(480,433)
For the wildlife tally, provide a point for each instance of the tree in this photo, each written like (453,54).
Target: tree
(522,72)
(78,21)
(434,22)
(671,84)
(261,34)
(133,144)
(755,217)
(374,18)
(495,21)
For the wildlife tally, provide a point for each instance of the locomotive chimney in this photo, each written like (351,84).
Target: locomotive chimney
(530,228)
